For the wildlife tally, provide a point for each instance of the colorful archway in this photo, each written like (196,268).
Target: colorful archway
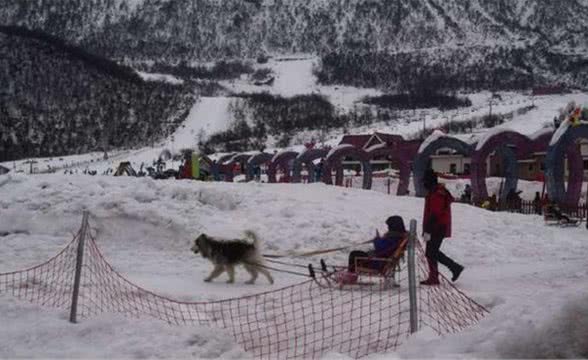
(218,167)
(334,161)
(281,161)
(394,153)
(508,144)
(428,148)
(307,157)
(240,159)
(255,161)
(564,142)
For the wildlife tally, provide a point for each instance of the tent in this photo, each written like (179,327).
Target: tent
(125,168)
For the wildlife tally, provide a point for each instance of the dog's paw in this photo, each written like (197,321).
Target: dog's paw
(230,281)
(207,280)
(250,282)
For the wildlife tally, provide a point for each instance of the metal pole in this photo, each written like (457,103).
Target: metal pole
(414,324)
(78,275)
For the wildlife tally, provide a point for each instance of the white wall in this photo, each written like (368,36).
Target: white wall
(442,163)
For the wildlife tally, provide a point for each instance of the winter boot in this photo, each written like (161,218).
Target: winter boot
(456,272)
(433,274)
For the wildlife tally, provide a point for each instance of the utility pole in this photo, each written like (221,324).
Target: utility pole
(424,126)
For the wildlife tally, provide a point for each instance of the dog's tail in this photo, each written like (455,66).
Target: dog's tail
(251,235)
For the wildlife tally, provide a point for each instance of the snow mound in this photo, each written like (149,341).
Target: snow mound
(559,335)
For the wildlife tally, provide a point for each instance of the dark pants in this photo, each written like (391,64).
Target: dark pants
(435,255)
(355,254)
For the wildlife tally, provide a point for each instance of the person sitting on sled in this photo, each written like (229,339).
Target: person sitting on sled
(553,210)
(384,246)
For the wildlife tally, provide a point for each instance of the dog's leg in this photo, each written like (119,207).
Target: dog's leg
(231,271)
(252,271)
(266,273)
(218,269)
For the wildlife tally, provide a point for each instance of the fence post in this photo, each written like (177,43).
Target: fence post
(78,274)
(414,324)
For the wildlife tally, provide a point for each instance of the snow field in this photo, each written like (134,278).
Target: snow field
(531,277)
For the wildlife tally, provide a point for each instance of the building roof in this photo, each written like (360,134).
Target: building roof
(358,141)
(366,140)
(389,138)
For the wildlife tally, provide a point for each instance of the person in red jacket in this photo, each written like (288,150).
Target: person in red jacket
(436,227)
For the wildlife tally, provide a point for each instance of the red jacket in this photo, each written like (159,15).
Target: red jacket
(437,217)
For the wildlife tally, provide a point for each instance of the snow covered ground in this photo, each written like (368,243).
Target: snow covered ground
(531,277)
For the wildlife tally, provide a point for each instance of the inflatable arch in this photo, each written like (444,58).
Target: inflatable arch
(217,168)
(306,158)
(255,161)
(564,142)
(394,153)
(508,144)
(281,161)
(428,148)
(334,159)
(237,159)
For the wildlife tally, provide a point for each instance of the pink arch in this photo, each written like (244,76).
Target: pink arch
(485,146)
(280,161)
(403,159)
(239,158)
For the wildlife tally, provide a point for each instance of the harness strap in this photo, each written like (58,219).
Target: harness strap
(315,252)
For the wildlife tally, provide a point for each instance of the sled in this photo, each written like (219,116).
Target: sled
(379,277)
(551,219)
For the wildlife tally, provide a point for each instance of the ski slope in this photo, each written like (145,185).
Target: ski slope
(531,277)
(209,115)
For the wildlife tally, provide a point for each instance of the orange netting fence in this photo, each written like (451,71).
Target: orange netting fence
(304,320)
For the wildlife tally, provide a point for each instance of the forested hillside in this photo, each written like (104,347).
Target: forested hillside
(58,99)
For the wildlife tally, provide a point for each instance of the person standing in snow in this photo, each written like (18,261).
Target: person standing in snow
(537,204)
(436,227)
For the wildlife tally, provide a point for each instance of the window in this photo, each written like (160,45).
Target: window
(453,168)
(466,169)
(531,167)
(585,164)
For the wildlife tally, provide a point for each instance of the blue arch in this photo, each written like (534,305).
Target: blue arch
(564,141)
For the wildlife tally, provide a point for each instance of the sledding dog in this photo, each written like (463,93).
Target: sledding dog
(226,254)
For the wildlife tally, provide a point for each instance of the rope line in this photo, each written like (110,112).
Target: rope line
(280,270)
(315,252)
(286,263)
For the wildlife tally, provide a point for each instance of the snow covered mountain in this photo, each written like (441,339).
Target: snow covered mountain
(175,29)
(379,45)
(519,43)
